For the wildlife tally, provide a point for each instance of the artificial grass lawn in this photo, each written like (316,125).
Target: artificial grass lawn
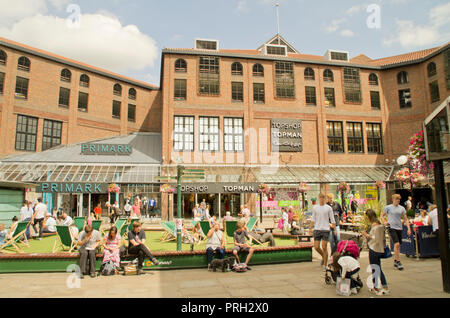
(153,242)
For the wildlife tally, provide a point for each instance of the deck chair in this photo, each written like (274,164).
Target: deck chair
(206,226)
(20,230)
(169,228)
(80,222)
(230,227)
(64,238)
(252,223)
(121,225)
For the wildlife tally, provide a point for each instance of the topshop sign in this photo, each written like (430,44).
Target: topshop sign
(286,135)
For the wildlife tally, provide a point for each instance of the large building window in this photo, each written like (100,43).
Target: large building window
(328,76)
(2,82)
(183,133)
(402,78)
(234,134)
(309,74)
(447,67)
(64,97)
(237,91)
(373,79)
(431,68)
(117,90)
(284,77)
(116,109)
(209,75)
(66,75)
(258,70)
(132,94)
(24,64)
(335,137)
(355,138)
(83,100)
(310,93)
(131,113)
(405,98)
(209,133)
(52,134)
(84,80)
(352,85)
(434,92)
(180,66)
(259,94)
(26,132)
(22,87)
(180,90)
(3,57)
(374,138)
(330,99)
(375,99)
(236,69)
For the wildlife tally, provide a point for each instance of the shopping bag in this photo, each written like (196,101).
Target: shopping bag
(343,287)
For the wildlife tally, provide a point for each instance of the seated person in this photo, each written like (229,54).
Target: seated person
(136,239)
(74,231)
(64,219)
(3,233)
(198,232)
(263,237)
(50,225)
(215,243)
(15,221)
(111,246)
(240,243)
(88,242)
(422,218)
(295,226)
(212,220)
(186,237)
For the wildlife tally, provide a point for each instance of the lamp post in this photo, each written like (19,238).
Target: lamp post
(180,171)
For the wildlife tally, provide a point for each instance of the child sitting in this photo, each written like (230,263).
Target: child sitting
(347,266)
(3,233)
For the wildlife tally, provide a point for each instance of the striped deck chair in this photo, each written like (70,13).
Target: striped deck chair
(64,239)
(80,222)
(252,223)
(169,234)
(19,231)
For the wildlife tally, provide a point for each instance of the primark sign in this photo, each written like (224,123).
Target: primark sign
(286,135)
(106,150)
(63,187)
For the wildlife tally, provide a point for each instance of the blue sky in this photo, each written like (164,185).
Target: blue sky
(311,26)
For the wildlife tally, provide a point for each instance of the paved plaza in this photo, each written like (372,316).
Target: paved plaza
(302,280)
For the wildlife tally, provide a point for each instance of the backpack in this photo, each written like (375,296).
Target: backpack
(108,269)
(240,268)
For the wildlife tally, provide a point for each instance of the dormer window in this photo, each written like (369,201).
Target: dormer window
(201,44)
(272,49)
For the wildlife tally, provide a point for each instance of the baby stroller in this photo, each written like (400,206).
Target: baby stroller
(345,248)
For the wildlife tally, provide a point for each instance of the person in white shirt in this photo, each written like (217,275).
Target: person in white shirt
(433,218)
(322,221)
(64,219)
(127,208)
(348,267)
(40,213)
(26,214)
(285,218)
(50,225)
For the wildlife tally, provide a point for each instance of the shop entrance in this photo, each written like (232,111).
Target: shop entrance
(229,202)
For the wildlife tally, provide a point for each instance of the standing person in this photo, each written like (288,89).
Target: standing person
(151,205)
(88,242)
(408,204)
(432,219)
(207,213)
(322,221)
(26,214)
(215,243)
(136,238)
(377,245)
(337,212)
(115,212)
(40,213)
(98,211)
(136,209)
(290,214)
(127,208)
(285,218)
(194,212)
(395,212)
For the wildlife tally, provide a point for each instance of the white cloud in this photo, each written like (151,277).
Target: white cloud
(13,11)
(347,33)
(410,35)
(335,25)
(100,40)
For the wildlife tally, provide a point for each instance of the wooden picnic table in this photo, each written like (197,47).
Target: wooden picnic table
(351,226)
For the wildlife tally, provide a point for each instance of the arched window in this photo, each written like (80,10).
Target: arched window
(236,69)
(432,69)
(3,57)
(84,80)
(180,66)
(402,78)
(373,79)
(328,76)
(24,64)
(258,70)
(118,90)
(309,74)
(132,94)
(66,75)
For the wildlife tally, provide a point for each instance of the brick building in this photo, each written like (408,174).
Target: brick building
(272,115)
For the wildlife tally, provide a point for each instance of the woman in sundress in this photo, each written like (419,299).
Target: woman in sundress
(112,248)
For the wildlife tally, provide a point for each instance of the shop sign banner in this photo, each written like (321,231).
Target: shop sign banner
(220,188)
(106,150)
(287,135)
(428,241)
(53,187)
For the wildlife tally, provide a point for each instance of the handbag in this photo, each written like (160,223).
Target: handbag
(387,253)
(343,287)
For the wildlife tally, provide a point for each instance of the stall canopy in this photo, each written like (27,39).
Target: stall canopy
(69,164)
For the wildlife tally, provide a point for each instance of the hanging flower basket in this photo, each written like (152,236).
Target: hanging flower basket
(303,187)
(404,175)
(264,189)
(113,188)
(167,188)
(381,185)
(344,187)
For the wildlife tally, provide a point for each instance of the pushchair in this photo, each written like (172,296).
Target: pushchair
(352,248)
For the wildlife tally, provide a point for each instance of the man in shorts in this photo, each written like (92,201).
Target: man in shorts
(395,213)
(240,243)
(322,221)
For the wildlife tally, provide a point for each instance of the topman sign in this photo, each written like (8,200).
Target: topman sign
(286,135)
(106,150)
(220,188)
